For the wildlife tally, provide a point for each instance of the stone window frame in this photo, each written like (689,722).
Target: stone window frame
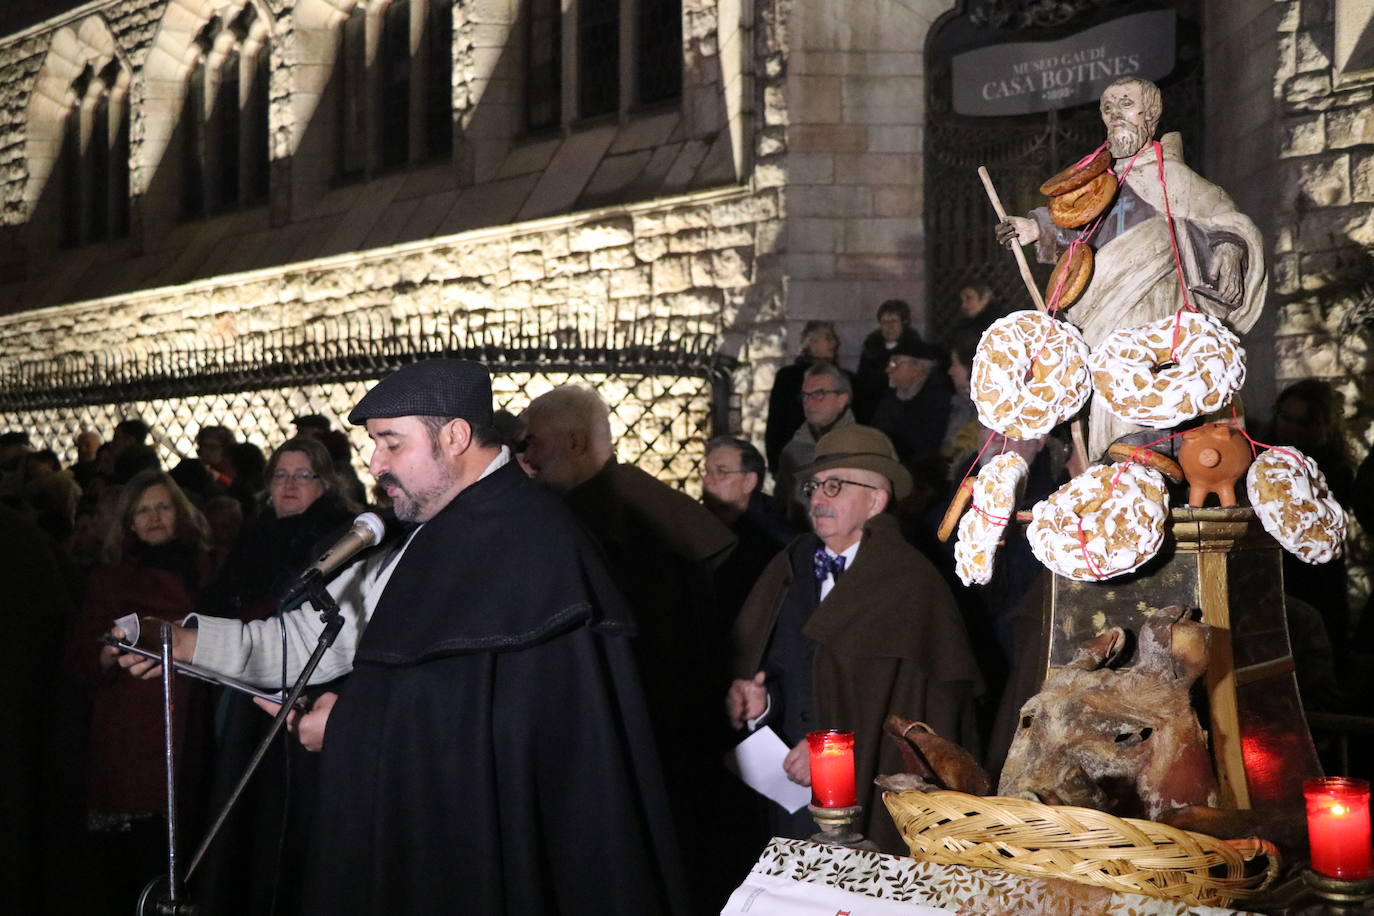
(367,51)
(572,55)
(226,154)
(76,195)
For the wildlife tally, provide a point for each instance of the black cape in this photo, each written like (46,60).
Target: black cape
(491,752)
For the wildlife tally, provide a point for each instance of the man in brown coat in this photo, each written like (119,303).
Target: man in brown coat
(848,625)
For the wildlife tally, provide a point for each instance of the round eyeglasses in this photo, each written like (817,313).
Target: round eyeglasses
(300,477)
(832,486)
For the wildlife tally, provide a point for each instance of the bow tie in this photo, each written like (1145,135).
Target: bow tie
(826,565)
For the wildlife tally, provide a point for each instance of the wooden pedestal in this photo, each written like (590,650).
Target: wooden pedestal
(1222,561)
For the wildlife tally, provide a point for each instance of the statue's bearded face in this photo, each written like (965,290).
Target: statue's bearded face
(1130,123)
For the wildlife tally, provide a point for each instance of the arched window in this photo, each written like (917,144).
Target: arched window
(592,58)
(393,82)
(224,123)
(93,164)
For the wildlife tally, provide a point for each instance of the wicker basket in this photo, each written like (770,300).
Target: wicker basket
(1080,844)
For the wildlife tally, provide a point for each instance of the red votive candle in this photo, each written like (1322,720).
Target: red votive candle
(832,769)
(1338,826)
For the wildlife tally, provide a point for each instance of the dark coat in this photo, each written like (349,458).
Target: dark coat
(870,381)
(917,426)
(888,639)
(491,751)
(125,772)
(785,415)
(663,549)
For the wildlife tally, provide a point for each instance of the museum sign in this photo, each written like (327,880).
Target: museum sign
(1025,77)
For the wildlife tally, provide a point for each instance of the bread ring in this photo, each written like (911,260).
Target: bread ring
(1106,522)
(1029,374)
(1148,457)
(1075,266)
(1289,494)
(1083,205)
(957,505)
(1145,379)
(996,490)
(1075,176)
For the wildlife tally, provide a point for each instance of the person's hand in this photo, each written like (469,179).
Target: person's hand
(746,700)
(797,764)
(308,728)
(1225,274)
(183,650)
(1017,229)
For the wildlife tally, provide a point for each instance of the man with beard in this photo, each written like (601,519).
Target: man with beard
(848,625)
(1135,279)
(492,699)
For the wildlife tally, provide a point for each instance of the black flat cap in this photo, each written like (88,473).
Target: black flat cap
(433,388)
(311,421)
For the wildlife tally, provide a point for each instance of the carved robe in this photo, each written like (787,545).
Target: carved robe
(1135,279)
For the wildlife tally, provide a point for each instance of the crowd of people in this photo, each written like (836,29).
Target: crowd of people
(544,632)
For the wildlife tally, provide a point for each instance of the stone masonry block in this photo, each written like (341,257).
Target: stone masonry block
(613,258)
(1304,135)
(1362,177)
(1352,126)
(671,274)
(1323,182)
(601,235)
(632,282)
(527,266)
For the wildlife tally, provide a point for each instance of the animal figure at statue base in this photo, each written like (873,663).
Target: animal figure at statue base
(1126,741)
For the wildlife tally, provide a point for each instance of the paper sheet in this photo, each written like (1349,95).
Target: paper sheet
(758,761)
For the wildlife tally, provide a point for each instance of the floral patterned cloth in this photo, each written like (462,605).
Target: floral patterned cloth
(947,888)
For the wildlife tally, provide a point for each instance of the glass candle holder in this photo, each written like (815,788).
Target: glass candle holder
(832,768)
(1338,827)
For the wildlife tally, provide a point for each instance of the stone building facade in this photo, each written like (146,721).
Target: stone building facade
(779,179)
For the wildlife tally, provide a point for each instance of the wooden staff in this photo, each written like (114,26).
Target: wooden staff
(1076,427)
(1015,246)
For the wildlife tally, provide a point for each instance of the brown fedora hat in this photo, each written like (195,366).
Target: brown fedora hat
(861,447)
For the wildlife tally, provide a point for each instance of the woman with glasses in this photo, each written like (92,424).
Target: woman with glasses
(155,560)
(259,849)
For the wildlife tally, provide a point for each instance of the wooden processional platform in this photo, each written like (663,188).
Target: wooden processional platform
(1222,561)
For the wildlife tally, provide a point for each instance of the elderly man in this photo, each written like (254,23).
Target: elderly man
(826,393)
(820,343)
(915,410)
(663,548)
(851,624)
(731,489)
(1135,278)
(870,382)
(492,701)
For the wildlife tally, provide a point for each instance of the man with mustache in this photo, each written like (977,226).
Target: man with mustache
(492,698)
(848,625)
(1135,278)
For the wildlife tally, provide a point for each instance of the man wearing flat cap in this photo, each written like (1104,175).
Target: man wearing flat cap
(915,410)
(492,702)
(848,625)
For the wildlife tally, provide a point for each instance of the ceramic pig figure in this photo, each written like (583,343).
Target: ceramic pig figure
(1213,458)
(1124,741)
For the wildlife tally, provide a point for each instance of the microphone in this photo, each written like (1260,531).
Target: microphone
(367,530)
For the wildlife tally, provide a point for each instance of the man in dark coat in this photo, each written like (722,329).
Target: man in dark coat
(732,489)
(870,381)
(490,751)
(662,549)
(915,410)
(851,624)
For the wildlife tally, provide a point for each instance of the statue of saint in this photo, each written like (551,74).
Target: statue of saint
(1135,280)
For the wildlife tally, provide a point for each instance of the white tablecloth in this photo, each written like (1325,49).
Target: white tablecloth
(798,878)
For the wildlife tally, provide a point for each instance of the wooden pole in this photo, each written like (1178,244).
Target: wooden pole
(1076,428)
(1015,247)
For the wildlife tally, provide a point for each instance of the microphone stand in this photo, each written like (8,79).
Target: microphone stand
(323,602)
(170,904)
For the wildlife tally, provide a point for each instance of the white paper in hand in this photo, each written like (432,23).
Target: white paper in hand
(758,761)
(129,624)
